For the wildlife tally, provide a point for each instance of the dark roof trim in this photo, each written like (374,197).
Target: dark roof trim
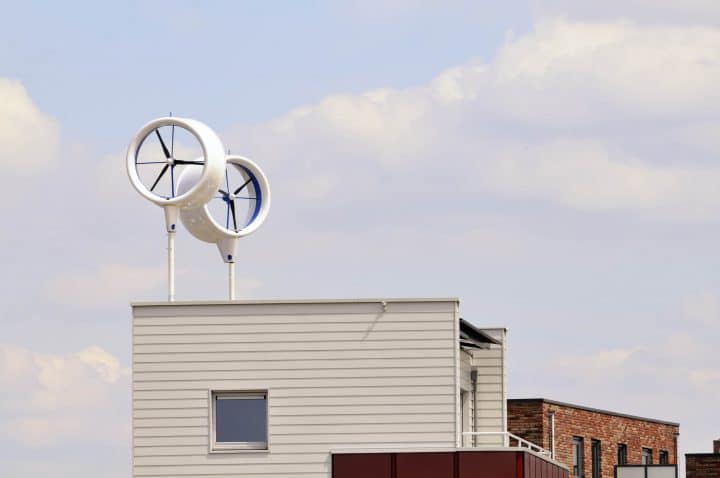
(472,336)
(593,410)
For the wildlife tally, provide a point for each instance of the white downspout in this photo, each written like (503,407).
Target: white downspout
(552,434)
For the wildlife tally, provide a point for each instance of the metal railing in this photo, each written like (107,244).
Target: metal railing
(508,439)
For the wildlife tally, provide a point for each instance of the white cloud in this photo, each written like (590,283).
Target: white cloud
(702,308)
(604,361)
(703,12)
(706,378)
(29,138)
(587,176)
(50,398)
(105,284)
(574,113)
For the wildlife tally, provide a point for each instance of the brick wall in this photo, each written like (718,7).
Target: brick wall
(530,419)
(525,420)
(702,465)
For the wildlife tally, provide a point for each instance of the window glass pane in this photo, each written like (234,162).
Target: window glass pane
(241,419)
(596,459)
(577,456)
(646,456)
(622,454)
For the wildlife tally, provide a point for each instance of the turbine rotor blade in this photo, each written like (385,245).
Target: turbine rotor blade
(164,170)
(241,187)
(162,143)
(232,207)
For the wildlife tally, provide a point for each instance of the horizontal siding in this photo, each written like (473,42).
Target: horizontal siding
(491,409)
(311,328)
(270,319)
(487,410)
(281,344)
(466,386)
(293,355)
(381,383)
(338,376)
(367,393)
(274,338)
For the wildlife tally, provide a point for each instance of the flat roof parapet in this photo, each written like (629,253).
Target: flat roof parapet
(593,410)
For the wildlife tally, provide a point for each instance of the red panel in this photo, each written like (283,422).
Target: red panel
(530,463)
(484,464)
(465,464)
(424,465)
(376,465)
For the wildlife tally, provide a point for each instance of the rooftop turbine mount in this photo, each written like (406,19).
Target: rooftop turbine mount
(239,206)
(153,171)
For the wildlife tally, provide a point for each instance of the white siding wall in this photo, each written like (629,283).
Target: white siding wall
(340,375)
(491,404)
(466,386)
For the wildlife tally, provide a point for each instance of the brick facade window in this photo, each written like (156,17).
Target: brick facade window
(646,456)
(577,448)
(558,426)
(663,457)
(622,454)
(595,452)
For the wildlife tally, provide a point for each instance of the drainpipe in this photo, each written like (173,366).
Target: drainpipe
(552,434)
(473,380)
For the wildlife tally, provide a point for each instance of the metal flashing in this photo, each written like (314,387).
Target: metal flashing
(292,301)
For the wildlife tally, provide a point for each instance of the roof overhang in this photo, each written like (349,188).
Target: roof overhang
(473,338)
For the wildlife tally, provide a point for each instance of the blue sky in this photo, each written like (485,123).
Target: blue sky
(260,57)
(554,165)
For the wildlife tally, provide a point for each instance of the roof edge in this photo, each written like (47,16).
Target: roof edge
(594,410)
(294,301)
(479,334)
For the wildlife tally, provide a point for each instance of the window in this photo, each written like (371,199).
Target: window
(622,454)
(663,457)
(239,421)
(646,456)
(577,448)
(595,453)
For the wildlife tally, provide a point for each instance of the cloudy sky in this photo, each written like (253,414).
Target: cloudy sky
(552,165)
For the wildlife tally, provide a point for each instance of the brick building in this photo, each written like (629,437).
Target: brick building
(589,441)
(703,465)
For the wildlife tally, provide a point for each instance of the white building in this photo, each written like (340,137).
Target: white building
(270,389)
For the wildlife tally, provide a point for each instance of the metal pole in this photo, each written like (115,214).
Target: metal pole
(231,280)
(171,266)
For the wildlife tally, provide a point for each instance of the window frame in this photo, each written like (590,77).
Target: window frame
(663,457)
(596,458)
(578,452)
(646,452)
(237,447)
(622,454)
